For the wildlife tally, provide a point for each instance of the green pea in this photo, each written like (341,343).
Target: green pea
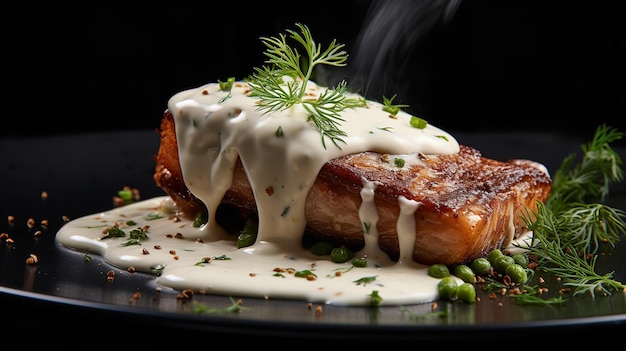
(341,254)
(447,288)
(465,273)
(493,254)
(481,266)
(248,234)
(502,263)
(438,271)
(517,273)
(466,292)
(322,248)
(200,219)
(521,259)
(126,195)
(245,239)
(359,262)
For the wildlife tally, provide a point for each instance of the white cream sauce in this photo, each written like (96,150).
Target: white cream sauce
(248,272)
(214,129)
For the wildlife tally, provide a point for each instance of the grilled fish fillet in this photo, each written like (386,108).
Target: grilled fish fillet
(469,204)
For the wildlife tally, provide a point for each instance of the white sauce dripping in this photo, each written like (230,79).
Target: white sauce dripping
(214,130)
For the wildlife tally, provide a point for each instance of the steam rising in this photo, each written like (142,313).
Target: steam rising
(388,36)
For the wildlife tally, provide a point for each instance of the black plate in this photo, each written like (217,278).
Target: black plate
(82,172)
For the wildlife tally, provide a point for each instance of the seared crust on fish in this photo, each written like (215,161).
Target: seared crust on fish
(467,204)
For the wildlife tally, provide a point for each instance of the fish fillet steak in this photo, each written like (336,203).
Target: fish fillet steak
(468,204)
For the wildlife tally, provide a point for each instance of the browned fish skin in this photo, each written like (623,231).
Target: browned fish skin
(468,202)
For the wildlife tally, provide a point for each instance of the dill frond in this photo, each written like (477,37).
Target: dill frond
(575,270)
(533,299)
(591,178)
(268,85)
(569,227)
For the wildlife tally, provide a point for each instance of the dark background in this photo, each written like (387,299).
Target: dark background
(557,66)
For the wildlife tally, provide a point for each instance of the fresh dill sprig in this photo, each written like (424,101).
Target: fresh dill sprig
(569,227)
(575,270)
(574,211)
(533,299)
(591,178)
(276,93)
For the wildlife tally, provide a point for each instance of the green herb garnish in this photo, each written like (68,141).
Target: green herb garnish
(135,236)
(399,162)
(420,123)
(222,258)
(366,280)
(114,232)
(199,308)
(569,226)
(277,93)
(227,85)
(533,299)
(306,273)
(390,107)
(152,216)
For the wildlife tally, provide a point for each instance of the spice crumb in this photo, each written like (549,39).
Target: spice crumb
(32,260)
(318,311)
